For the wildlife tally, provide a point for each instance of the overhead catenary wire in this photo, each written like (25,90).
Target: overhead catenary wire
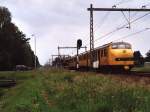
(103,20)
(125,25)
(125,1)
(107,34)
(106,16)
(143,30)
(128,20)
(141,6)
(121,27)
(117,29)
(96,27)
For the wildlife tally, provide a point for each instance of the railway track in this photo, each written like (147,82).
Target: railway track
(129,74)
(4,83)
(140,74)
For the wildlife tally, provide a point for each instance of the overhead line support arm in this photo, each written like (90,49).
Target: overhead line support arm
(118,9)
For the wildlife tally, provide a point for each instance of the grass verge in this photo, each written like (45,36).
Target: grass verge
(61,91)
(26,96)
(72,92)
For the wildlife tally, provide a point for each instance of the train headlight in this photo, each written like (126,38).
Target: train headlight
(126,67)
(124,51)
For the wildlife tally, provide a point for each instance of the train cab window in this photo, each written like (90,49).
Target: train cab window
(114,46)
(121,45)
(128,46)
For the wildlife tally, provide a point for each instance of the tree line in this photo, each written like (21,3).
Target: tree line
(139,59)
(14,46)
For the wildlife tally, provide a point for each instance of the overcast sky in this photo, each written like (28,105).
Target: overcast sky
(60,23)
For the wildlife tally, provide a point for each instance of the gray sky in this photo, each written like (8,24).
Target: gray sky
(56,22)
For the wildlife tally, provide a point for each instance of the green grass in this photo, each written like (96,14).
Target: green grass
(26,96)
(141,69)
(62,91)
(79,93)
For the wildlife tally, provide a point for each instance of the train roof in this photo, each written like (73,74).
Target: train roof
(103,46)
(106,45)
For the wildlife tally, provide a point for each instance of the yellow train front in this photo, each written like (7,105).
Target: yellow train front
(117,55)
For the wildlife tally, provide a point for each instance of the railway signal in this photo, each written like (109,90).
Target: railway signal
(79,43)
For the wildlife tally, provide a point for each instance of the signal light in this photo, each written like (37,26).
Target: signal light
(79,43)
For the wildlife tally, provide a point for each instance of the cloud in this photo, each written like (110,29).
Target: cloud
(56,22)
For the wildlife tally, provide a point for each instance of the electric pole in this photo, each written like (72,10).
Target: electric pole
(91,35)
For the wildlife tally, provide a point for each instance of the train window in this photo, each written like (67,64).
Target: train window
(128,46)
(121,46)
(114,46)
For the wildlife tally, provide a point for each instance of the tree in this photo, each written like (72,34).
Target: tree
(147,58)
(138,58)
(14,46)
(5,16)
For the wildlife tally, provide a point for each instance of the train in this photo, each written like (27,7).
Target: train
(114,56)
